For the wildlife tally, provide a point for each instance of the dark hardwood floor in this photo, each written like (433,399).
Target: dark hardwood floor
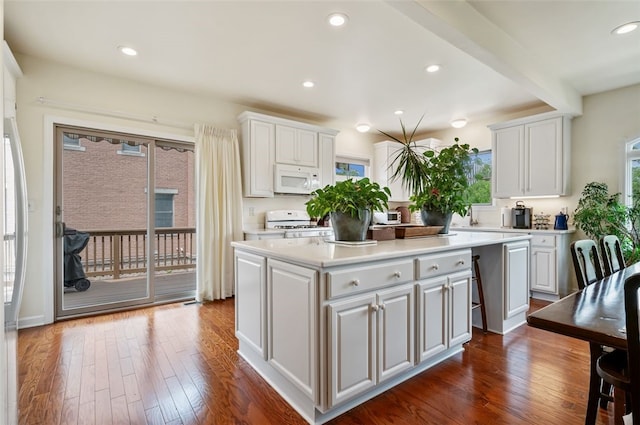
(177,364)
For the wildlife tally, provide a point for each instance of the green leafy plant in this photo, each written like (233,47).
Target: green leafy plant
(446,183)
(349,197)
(599,213)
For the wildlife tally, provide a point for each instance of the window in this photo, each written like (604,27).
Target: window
(72,142)
(632,172)
(130,148)
(480,178)
(164,209)
(351,167)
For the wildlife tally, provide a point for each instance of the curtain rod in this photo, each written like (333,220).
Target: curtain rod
(109,113)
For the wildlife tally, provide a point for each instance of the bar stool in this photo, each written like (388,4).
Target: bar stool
(478,280)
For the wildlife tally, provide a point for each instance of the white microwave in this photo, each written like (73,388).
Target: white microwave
(296,180)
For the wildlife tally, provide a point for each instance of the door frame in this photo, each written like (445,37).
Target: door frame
(47,235)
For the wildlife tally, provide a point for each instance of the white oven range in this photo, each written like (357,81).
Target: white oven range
(295,224)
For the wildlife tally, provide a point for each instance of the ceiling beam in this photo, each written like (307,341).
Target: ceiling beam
(461,25)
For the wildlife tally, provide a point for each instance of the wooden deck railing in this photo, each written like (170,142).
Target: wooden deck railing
(117,252)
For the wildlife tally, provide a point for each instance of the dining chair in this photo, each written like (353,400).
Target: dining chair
(621,368)
(612,257)
(588,269)
(586,262)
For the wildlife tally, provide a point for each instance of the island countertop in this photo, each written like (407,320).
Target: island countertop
(319,253)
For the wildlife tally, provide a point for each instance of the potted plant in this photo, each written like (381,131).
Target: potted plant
(438,180)
(445,187)
(599,214)
(350,204)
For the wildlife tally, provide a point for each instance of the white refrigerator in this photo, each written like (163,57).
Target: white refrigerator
(13,217)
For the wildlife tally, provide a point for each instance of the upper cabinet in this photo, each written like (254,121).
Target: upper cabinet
(267,140)
(296,146)
(531,156)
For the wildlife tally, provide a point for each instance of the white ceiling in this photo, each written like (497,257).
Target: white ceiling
(496,56)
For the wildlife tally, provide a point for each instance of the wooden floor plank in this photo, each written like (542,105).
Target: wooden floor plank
(178,364)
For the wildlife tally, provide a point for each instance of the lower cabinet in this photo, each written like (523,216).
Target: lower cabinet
(516,292)
(250,273)
(444,313)
(550,268)
(291,324)
(370,339)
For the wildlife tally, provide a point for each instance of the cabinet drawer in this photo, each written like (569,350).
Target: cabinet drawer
(543,240)
(445,263)
(365,278)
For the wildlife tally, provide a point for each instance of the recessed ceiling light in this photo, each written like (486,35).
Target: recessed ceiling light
(337,19)
(308,84)
(129,51)
(432,68)
(458,123)
(398,112)
(363,127)
(626,28)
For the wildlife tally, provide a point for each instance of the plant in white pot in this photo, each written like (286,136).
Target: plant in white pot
(350,204)
(438,180)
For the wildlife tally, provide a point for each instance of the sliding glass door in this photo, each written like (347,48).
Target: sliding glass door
(118,243)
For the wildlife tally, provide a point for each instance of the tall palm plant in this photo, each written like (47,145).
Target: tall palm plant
(409,163)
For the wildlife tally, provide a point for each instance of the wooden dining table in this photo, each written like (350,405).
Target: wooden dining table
(594,314)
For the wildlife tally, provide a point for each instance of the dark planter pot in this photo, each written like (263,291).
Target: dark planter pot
(436,218)
(347,228)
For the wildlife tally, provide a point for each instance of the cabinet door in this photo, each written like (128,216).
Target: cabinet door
(543,269)
(285,145)
(395,331)
(508,162)
(327,159)
(352,342)
(543,169)
(516,278)
(291,297)
(432,322)
(260,171)
(250,271)
(459,293)
(307,148)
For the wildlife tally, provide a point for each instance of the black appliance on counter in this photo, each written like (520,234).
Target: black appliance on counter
(521,216)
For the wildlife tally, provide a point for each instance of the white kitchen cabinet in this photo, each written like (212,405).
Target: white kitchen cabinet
(384,154)
(291,318)
(326,147)
(266,140)
(296,146)
(257,147)
(531,156)
(444,302)
(516,265)
(250,293)
(371,339)
(549,266)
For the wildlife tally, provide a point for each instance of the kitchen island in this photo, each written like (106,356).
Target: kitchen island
(331,326)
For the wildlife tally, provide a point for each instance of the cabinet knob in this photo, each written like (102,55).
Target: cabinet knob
(355,282)
(435,267)
(397,274)
(375,307)
(461,262)
(381,306)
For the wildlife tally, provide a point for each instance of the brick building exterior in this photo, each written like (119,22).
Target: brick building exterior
(105,185)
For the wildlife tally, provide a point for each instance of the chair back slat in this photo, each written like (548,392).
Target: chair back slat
(612,257)
(586,262)
(631,286)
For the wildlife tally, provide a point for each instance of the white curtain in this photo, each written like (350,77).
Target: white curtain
(219,210)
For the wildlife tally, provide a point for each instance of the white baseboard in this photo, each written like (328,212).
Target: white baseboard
(31,322)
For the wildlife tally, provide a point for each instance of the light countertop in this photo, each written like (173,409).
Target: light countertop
(481,228)
(317,252)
